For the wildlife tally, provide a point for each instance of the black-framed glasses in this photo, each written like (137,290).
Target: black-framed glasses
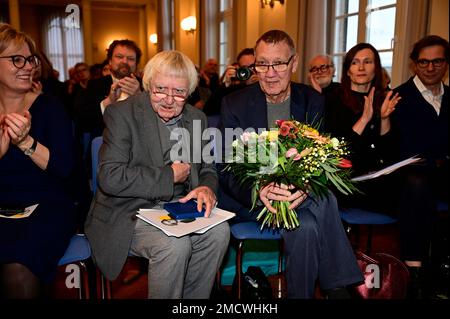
(20,61)
(321,69)
(161,93)
(278,67)
(437,63)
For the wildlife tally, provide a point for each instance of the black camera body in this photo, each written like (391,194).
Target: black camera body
(243,73)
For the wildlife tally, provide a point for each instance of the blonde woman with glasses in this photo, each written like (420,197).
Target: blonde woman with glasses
(36,159)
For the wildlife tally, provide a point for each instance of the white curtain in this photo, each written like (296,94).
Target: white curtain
(62,41)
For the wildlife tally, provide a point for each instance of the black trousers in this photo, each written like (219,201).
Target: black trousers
(317,250)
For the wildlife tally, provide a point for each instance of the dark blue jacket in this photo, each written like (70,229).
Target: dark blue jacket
(418,128)
(247,108)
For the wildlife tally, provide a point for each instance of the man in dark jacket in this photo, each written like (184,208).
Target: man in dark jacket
(420,123)
(123,57)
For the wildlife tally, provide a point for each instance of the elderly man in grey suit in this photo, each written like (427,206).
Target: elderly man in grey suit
(137,169)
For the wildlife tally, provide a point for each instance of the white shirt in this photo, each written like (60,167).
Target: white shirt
(434,100)
(123,95)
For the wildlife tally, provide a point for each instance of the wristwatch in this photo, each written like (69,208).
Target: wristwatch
(30,151)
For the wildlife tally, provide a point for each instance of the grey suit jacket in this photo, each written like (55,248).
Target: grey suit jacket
(131,175)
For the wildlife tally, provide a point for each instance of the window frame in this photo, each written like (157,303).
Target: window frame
(362,32)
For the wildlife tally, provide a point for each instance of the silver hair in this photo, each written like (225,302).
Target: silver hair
(172,63)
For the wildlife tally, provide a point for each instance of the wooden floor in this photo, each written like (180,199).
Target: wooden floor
(132,283)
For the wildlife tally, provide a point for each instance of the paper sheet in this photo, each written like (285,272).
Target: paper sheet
(387,170)
(199,225)
(28,211)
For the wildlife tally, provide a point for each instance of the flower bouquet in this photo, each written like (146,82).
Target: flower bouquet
(294,154)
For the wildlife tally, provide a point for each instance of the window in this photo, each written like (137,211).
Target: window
(225,33)
(371,21)
(63,42)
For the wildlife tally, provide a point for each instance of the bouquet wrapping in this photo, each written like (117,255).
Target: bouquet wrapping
(294,154)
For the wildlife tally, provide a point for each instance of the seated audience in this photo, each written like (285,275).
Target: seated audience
(36,157)
(130,179)
(362,112)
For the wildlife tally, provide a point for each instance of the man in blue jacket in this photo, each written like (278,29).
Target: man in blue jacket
(319,248)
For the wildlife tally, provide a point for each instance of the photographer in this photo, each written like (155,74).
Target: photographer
(235,77)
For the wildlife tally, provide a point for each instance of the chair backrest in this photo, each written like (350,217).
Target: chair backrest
(95,147)
(365,217)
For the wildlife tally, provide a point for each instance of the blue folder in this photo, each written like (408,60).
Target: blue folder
(187,210)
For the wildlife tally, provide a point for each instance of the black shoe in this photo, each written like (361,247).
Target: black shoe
(338,293)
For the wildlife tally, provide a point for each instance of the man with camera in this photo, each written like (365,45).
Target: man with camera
(235,77)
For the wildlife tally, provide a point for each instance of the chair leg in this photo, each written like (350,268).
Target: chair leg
(280,269)
(239,267)
(84,291)
(105,287)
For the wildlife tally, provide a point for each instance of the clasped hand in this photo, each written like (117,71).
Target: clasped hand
(14,128)
(281,192)
(129,85)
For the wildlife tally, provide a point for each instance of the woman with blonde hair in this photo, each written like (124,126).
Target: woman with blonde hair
(36,157)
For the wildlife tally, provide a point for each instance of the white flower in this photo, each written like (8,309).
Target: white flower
(335,142)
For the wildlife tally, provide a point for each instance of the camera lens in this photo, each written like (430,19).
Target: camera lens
(243,74)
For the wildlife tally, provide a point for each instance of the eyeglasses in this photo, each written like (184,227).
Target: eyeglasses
(160,95)
(437,63)
(20,61)
(321,69)
(278,67)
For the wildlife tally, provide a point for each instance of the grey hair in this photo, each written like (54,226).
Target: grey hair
(172,63)
(323,55)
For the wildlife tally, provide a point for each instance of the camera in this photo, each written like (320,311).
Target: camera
(243,73)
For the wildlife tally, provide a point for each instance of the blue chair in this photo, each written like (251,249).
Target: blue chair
(252,230)
(357,216)
(106,291)
(79,252)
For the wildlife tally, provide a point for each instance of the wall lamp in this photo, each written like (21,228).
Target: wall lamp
(271,3)
(154,38)
(189,24)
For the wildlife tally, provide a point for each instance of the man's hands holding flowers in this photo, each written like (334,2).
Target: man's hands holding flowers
(283,193)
